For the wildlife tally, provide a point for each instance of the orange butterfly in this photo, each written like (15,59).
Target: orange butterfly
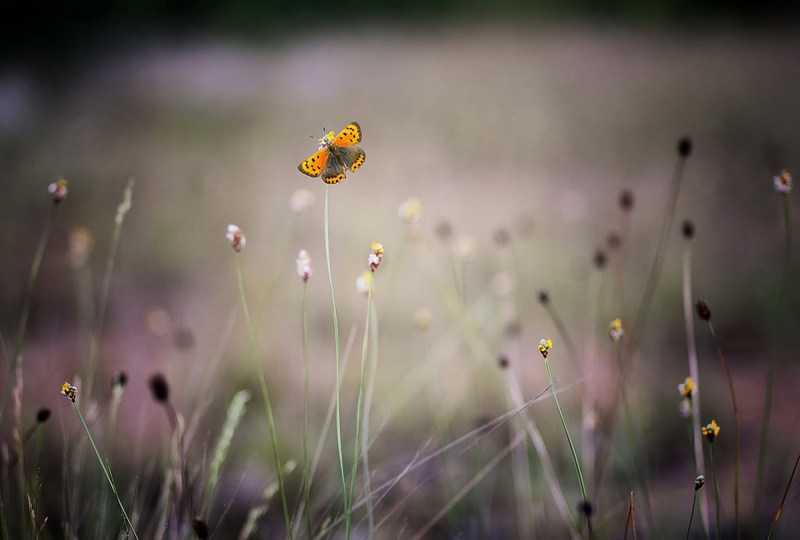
(336,155)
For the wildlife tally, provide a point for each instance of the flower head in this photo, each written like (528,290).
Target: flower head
(615,330)
(544,346)
(81,242)
(783,182)
(375,256)
(710,431)
(364,282)
(301,200)
(58,190)
(304,269)
(422,318)
(410,210)
(236,237)
(686,388)
(464,248)
(69,391)
(703,311)
(699,482)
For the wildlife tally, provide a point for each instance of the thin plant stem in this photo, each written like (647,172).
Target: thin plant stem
(735,427)
(345,498)
(783,499)
(575,460)
(632,435)
(776,313)
(360,400)
(691,514)
(655,270)
(716,487)
(368,393)
(26,305)
(106,473)
(265,395)
(306,461)
(94,343)
(694,373)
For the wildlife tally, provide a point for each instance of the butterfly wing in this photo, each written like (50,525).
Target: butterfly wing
(334,171)
(315,163)
(351,134)
(353,157)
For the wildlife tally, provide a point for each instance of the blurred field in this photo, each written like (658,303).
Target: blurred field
(532,130)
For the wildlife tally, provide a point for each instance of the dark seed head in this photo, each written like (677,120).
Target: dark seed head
(200,528)
(703,311)
(684,147)
(544,298)
(687,228)
(503,362)
(626,200)
(599,259)
(159,388)
(586,508)
(119,379)
(42,415)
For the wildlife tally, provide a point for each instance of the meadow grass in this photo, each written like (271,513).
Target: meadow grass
(417,449)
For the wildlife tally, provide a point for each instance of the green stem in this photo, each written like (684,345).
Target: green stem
(632,437)
(776,312)
(716,486)
(575,460)
(265,395)
(94,344)
(345,498)
(26,306)
(106,473)
(691,515)
(306,461)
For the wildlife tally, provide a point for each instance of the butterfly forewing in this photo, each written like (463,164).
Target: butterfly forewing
(315,163)
(351,134)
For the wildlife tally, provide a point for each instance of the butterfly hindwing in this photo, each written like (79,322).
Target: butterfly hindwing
(315,163)
(353,157)
(351,134)
(334,170)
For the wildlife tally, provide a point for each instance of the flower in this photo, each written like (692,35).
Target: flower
(236,237)
(81,242)
(699,482)
(783,182)
(58,190)
(464,248)
(686,388)
(410,210)
(69,391)
(304,269)
(544,346)
(364,282)
(422,318)
(301,200)
(375,256)
(703,311)
(710,431)
(615,330)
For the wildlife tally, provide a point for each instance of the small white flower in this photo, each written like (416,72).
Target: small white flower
(364,282)
(783,182)
(301,200)
(236,237)
(58,190)
(410,210)
(464,248)
(304,269)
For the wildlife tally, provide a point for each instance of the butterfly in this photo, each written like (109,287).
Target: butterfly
(336,155)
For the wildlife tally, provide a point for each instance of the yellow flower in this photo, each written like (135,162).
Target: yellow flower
(410,210)
(375,256)
(364,282)
(710,431)
(69,391)
(686,387)
(615,330)
(544,346)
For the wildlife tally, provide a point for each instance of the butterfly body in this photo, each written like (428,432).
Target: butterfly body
(336,155)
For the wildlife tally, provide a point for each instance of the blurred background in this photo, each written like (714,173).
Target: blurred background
(516,124)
